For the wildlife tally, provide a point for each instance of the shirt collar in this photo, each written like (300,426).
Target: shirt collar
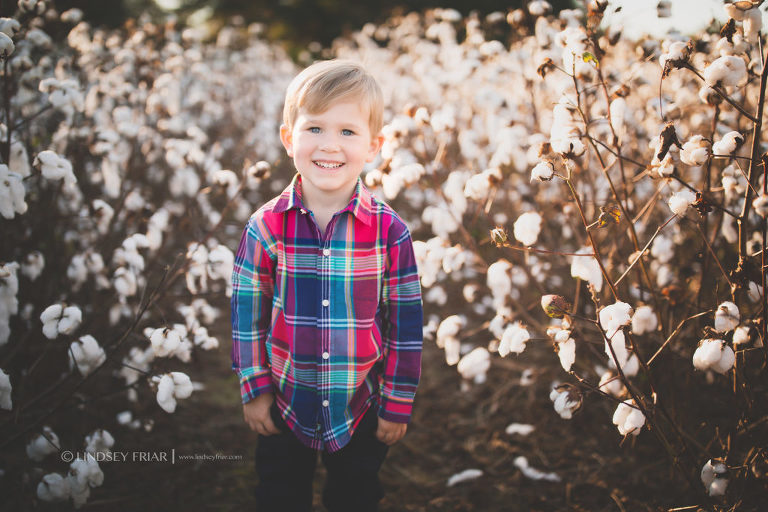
(359,204)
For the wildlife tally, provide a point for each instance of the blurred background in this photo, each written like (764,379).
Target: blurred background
(295,22)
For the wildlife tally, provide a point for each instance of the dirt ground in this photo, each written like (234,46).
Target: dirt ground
(452,430)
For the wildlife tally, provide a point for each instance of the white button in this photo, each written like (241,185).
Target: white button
(326,302)
(326,252)
(326,403)
(326,355)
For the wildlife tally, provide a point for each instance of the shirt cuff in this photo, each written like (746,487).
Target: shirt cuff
(396,410)
(254,383)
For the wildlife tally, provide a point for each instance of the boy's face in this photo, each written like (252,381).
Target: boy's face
(330,148)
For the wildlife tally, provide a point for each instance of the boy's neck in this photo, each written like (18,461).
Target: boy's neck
(327,204)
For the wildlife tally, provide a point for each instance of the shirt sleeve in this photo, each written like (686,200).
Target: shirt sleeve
(252,291)
(401,297)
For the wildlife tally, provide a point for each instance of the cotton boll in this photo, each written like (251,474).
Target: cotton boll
(754,291)
(760,204)
(680,201)
(124,281)
(543,171)
(614,317)
(644,320)
(6,45)
(33,265)
(726,361)
(726,317)
(713,478)
(86,354)
(695,152)
(475,364)
(728,70)
(741,335)
(611,384)
(753,23)
(587,268)
(165,397)
(513,339)
(54,167)
(99,441)
(11,193)
(566,352)
(527,228)
(566,399)
(728,143)
(82,476)
(628,419)
(165,342)
(5,391)
(43,445)
(58,319)
(53,487)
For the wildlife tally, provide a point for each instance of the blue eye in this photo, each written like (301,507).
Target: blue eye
(314,129)
(347,132)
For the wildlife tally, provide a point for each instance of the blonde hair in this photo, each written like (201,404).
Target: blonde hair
(328,81)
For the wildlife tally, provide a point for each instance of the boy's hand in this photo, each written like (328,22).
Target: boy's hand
(389,432)
(256,414)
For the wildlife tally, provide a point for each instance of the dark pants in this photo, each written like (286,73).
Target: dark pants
(286,468)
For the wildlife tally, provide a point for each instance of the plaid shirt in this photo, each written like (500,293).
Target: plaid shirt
(330,323)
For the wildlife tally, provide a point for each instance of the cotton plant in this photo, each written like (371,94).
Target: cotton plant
(474,365)
(12,192)
(566,400)
(714,354)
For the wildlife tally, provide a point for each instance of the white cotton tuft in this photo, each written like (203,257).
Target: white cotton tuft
(587,268)
(475,364)
(43,445)
(713,478)
(513,339)
(467,474)
(566,352)
(12,193)
(58,319)
(628,418)
(760,204)
(54,167)
(644,320)
(611,383)
(543,171)
(614,317)
(86,354)
(527,228)
(695,151)
(565,403)
(726,317)
(728,143)
(680,201)
(5,391)
(725,71)
(170,387)
(6,45)
(99,441)
(521,463)
(521,429)
(714,354)
(53,487)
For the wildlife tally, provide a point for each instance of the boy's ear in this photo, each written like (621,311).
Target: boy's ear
(373,150)
(286,137)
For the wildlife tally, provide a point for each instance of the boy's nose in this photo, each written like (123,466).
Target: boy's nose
(329,145)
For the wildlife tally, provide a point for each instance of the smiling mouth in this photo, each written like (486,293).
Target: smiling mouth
(327,165)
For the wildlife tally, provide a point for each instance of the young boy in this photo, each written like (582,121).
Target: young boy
(326,305)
